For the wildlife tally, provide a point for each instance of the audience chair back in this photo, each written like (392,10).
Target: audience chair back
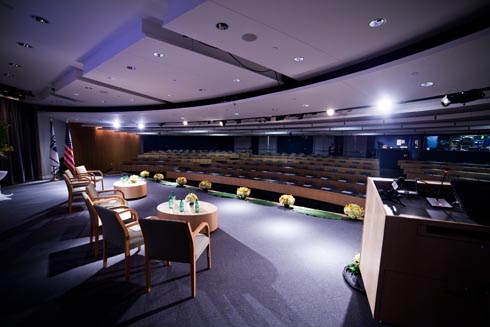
(170,240)
(121,236)
(115,197)
(95,175)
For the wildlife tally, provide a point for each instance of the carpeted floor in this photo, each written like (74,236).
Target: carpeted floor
(271,267)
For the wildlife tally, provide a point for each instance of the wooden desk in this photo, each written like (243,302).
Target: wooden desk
(424,266)
(208,213)
(131,190)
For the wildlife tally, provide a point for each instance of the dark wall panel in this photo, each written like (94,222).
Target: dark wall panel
(295,144)
(162,142)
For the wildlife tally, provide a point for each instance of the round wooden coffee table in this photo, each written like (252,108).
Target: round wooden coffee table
(131,190)
(207,213)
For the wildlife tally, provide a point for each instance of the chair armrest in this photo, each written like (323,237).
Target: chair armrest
(133,223)
(102,199)
(116,192)
(199,228)
(96,172)
(134,213)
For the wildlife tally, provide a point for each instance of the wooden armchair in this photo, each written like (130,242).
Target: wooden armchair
(75,185)
(96,223)
(114,197)
(118,234)
(94,175)
(171,240)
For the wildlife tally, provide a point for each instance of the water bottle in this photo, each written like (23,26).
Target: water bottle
(181,205)
(173,196)
(170,202)
(196,206)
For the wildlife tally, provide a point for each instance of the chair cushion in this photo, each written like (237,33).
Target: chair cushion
(81,170)
(200,242)
(135,237)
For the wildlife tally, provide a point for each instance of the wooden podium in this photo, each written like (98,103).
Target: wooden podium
(424,266)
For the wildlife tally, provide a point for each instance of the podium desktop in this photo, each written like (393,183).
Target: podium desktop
(418,262)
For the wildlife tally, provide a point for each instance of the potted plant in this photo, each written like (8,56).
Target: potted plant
(352,274)
(190,198)
(287,200)
(205,185)
(145,174)
(181,181)
(354,211)
(158,177)
(242,192)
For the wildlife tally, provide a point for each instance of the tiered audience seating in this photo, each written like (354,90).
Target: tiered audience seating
(434,170)
(337,180)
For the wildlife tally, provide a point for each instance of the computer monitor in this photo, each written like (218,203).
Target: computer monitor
(473,196)
(409,187)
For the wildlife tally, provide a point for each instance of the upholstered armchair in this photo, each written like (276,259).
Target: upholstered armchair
(119,235)
(171,240)
(96,223)
(113,197)
(95,175)
(75,185)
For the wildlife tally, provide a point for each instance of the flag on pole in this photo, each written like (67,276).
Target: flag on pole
(69,157)
(53,153)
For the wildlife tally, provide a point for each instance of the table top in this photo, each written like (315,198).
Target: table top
(205,208)
(129,184)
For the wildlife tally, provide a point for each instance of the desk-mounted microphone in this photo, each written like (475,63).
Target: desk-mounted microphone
(436,202)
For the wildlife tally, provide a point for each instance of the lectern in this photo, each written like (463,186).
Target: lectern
(424,266)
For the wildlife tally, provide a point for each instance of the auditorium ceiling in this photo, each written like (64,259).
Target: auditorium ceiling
(255,67)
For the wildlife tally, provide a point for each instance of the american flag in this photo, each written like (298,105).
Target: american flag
(53,152)
(69,157)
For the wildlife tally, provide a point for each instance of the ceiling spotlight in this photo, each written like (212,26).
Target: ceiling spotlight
(116,124)
(13,64)
(427,84)
(141,126)
(40,19)
(298,59)
(462,97)
(25,45)
(222,123)
(222,26)
(377,22)
(185,122)
(158,54)
(330,112)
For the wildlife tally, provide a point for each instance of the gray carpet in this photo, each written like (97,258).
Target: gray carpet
(271,267)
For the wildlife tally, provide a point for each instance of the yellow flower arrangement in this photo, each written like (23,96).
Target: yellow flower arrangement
(4,147)
(242,192)
(134,178)
(286,200)
(191,198)
(354,211)
(158,177)
(354,266)
(205,185)
(145,173)
(181,180)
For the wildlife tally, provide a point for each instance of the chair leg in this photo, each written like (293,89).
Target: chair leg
(104,253)
(102,183)
(96,246)
(70,202)
(127,263)
(148,274)
(193,277)
(208,252)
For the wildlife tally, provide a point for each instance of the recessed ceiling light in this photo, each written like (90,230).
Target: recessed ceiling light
(427,84)
(169,95)
(330,112)
(76,94)
(306,105)
(298,59)
(25,45)
(131,67)
(102,101)
(377,22)
(13,64)
(88,88)
(202,90)
(158,54)
(249,37)
(40,19)
(237,114)
(132,100)
(236,80)
(222,26)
